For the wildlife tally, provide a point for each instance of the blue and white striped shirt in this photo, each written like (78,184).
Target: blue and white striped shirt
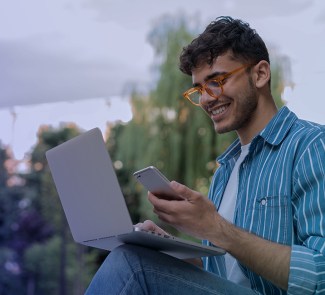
(281,197)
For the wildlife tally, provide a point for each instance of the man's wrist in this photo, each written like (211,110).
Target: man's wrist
(223,233)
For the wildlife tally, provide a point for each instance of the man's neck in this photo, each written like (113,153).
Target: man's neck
(263,115)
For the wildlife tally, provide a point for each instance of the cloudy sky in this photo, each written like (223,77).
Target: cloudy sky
(60,58)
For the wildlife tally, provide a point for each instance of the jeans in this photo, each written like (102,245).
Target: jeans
(131,269)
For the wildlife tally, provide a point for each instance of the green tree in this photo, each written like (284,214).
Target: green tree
(10,279)
(58,266)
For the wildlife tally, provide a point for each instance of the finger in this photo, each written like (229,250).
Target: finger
(149,225)
(165,217)
(139,225)
(160,204)
(154,227)
(183,190)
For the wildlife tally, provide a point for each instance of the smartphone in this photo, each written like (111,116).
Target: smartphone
(152,179)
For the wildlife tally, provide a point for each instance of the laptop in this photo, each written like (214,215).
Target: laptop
(94,205)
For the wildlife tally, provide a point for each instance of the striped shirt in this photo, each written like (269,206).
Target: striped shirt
(281,198)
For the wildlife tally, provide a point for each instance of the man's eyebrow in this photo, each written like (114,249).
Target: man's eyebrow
(211,76)
(214,75)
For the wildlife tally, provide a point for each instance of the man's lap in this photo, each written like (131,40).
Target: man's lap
(131,269)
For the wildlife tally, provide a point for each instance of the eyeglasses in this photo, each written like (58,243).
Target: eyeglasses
(214,87)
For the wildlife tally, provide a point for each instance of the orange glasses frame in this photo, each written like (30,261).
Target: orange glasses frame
(219,80)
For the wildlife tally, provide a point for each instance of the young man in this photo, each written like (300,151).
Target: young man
(266,202)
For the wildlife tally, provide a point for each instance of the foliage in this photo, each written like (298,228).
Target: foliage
(37,252)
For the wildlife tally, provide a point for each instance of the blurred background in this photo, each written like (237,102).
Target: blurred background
(68,66)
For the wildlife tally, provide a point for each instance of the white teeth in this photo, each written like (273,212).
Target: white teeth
(219,110)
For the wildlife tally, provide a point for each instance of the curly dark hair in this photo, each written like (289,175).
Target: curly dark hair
(221,35)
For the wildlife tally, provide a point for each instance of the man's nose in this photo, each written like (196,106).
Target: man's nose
(206,98)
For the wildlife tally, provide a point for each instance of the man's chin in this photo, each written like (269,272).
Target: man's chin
(221,129)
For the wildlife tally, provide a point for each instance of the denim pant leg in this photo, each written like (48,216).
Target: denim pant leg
(131,269)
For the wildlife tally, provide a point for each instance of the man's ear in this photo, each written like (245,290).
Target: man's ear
(261,74)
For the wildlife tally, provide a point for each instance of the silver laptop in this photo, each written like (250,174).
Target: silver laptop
(95,206)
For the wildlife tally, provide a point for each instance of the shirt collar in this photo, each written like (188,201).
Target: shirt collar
(277,129)
(274,133)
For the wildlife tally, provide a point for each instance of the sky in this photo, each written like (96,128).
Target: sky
(72,60)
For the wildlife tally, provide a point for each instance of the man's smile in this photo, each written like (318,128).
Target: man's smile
(216,110)
(219,110)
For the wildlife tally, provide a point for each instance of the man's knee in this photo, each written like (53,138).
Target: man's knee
(125,251)
(126,255)
(116,271)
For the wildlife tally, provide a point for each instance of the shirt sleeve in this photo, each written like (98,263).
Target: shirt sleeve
(307,265)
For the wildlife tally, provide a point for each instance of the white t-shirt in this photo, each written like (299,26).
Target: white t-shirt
(227,211)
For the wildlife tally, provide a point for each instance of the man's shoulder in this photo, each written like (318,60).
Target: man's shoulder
(288,126)
(310,126)
(304,137)
(308,129)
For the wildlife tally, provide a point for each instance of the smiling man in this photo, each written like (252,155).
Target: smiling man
(266,200)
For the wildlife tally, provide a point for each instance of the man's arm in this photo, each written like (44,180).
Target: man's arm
(267,259)
(197,216)
(307,267)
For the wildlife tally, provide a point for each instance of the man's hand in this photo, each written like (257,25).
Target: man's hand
(195,215)
(148,225)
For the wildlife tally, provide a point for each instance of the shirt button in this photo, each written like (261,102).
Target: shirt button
(263,202)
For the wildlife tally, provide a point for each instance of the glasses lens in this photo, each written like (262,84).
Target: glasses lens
(215,87)
(195,96)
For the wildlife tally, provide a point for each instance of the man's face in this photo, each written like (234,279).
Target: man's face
(235,108)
